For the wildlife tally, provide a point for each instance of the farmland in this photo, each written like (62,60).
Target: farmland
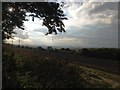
(25,67)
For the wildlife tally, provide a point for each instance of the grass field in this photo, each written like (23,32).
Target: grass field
(32,68)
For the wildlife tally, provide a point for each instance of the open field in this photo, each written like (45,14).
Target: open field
(33,68)
(98,63)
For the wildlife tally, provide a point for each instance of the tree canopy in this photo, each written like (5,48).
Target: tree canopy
(14,15)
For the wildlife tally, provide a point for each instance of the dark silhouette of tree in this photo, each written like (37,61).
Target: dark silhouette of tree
(49,48)
(14,15)
(106,53)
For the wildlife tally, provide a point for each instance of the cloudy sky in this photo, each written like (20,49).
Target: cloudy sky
(89,24)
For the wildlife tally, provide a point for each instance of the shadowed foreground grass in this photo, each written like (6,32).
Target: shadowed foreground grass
(40,72)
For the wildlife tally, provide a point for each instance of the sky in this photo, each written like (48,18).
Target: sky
(89,25)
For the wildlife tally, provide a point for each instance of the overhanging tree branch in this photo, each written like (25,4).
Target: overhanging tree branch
(13,15)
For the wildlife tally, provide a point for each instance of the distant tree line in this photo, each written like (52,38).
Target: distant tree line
(107,53)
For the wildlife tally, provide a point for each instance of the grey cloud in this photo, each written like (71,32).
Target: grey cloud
(106,42)
(43,30)
(104,6)
(97,35)
(102,31)
(20,34)
(99,10)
